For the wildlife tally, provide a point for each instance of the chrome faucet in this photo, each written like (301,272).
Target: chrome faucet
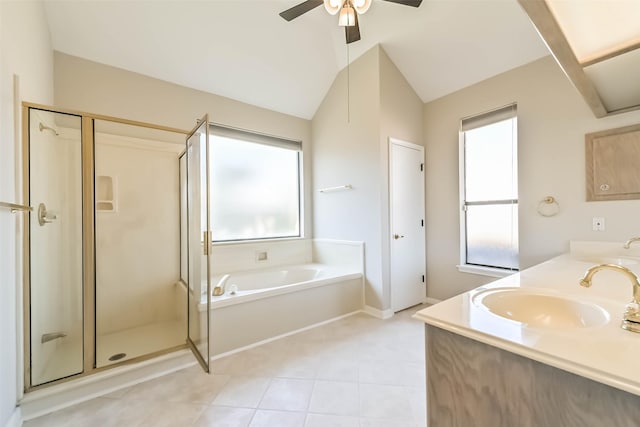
(218,289)
(628,243)
(631,316)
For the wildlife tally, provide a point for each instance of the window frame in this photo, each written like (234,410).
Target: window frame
(483,119)
(219,130)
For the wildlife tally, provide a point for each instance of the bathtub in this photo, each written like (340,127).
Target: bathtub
(279,301)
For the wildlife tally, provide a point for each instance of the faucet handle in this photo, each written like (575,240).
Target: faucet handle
(632,312)
(628,243)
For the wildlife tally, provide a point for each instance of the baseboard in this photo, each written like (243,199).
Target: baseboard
(431,301)
(16,418)
(380,314)
(49,399)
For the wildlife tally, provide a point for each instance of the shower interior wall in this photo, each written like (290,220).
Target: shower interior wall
(56,249)
(138,241)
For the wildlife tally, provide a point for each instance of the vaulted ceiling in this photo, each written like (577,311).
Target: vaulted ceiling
(243,50)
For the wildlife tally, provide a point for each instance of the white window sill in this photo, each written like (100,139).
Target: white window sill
(485,271)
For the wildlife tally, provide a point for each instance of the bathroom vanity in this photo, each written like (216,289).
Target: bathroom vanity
(536,348)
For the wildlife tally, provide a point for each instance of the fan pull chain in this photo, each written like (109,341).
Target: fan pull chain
(348,87)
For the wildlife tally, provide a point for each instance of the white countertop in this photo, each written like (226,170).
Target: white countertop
(606,353)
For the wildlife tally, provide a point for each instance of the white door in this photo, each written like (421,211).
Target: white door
(406,198)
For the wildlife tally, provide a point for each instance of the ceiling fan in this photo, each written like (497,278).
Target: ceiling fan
(349,11)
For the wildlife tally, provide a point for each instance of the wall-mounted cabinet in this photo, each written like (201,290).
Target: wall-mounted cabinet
(613,164)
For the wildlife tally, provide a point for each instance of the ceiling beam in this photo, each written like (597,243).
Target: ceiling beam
(611,54)
(550,31)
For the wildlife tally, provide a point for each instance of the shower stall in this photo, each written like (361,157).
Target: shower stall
(116,243)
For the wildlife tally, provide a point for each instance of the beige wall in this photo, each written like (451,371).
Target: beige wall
(345,151)
(355,151)
(25,50)
(552,121)
(92,87)
(400,118)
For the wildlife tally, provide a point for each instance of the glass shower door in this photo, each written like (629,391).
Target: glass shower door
(55,322)
(198,241)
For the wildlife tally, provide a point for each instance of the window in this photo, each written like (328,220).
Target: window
(255,185)
(489,192)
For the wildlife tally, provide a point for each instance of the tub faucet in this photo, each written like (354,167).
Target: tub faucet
(628,243)
(631,316)
(218,289)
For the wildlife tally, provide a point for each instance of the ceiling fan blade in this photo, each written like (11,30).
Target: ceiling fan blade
(352,33)
(413,3)
(299,9)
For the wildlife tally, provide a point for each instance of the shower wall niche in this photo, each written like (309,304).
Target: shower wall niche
(105,193)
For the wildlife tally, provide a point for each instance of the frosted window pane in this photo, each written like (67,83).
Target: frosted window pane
(492,235)
(254,189)
(490,162)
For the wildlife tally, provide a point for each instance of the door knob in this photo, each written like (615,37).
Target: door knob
(397,236)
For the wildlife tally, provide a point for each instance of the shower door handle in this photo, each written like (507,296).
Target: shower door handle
(206,237)
(13,207)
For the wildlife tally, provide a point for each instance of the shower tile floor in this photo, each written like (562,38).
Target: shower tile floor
(358,371)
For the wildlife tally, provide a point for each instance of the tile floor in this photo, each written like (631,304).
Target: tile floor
(358,371)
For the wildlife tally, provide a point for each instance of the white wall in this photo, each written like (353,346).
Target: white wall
(25,50)
(355,151)
(552,121)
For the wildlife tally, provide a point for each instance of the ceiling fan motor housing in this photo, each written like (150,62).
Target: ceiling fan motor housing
(348,16)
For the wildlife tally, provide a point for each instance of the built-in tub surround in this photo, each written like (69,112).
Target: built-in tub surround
(265,303)
(602,352)
(244,256)
(256,284)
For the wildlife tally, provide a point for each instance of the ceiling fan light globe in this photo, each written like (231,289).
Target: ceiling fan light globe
(361,6)
(347,17)
(332,6)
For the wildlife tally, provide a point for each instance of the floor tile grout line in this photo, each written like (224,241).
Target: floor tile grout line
(384,331)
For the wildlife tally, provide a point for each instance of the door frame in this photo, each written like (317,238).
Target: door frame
(203,359)
(88,242)
(399,142)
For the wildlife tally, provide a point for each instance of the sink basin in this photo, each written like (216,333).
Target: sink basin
(539,309)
